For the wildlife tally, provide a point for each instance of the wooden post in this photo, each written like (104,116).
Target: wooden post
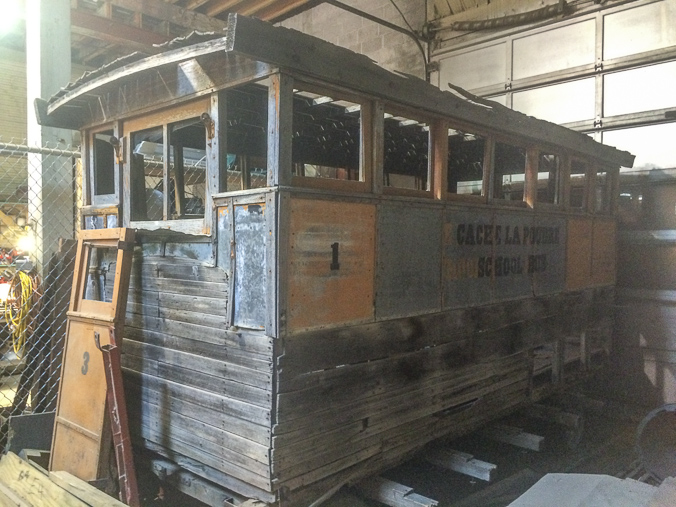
(50,178)
(280,129)
(439,158)
(530,187)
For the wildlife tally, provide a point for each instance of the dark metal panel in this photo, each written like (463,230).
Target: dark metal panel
(469,239)
(509,265)
(547,263)
(409,261)
(250,277)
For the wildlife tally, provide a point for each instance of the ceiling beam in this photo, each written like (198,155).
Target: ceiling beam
(222,6)
(282,8)
(180,16)
(115,32)
(195,4)
(251,7)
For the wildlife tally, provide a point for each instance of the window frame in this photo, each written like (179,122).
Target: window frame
(366,137)
(561,185)
(162,119)
(527,200)
(487,164)
(389,108)
(90,198)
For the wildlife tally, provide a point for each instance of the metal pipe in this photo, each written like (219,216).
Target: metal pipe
(13,149)
(375,19)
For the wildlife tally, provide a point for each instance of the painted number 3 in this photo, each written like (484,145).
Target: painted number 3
(85,363)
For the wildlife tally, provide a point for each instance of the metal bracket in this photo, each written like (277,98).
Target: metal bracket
(209,125)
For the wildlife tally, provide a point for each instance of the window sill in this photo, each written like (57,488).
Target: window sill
(194,227)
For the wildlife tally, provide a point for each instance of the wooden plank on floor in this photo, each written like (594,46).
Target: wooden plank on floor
(461,462)
(504,491)
(83,490)
(392,493)
(32,486)
(513,436)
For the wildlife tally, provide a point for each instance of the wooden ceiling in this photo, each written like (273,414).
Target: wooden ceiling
(103,30)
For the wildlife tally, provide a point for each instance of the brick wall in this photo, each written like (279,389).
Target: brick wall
(391,49)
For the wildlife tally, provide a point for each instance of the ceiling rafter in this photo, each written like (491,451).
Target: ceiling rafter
(220,6)
(165,11)
(115,32)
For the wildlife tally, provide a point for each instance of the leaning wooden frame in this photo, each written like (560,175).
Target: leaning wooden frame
(338,264)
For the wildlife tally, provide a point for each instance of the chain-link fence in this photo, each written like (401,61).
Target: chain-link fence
(39,188)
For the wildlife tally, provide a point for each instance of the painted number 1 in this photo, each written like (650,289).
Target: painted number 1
(335,265)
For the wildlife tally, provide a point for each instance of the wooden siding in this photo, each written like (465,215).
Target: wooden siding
(327,288)
(194,387)
(378,390)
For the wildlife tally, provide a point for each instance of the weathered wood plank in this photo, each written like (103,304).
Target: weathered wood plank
(252,342)
(389,338)
(32,486)
(152,414)
(177,286)
(392,493)
(220,419)
(408,439)
(208,383)
(158,388)
(438,386)
(217,462)
(165,433)
(219,351)
(183,315)
(215,476)
(513,436)
(201,364)
(83,490)
(179,268)
(461,462)
(328,450)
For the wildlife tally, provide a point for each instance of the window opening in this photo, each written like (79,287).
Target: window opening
(406,161)
(549,178)
(103,173)
(100,282)
(185,182)
(246,137)
(578,184)
(465,162)
(326,137)
(509,172)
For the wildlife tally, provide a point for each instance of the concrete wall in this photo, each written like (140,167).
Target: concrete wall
(13,96)
(391,49)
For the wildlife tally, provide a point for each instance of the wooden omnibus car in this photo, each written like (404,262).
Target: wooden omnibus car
(337,264)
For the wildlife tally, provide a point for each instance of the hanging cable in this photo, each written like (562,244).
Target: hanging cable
(21,308)
(417,41)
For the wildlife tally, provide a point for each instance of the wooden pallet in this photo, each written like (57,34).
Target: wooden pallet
(25,484)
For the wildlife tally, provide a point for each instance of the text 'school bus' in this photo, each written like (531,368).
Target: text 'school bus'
(338,264)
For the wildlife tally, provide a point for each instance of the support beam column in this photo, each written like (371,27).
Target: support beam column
(51,198)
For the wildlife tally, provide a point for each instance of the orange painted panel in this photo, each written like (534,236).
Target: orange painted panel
(604,251)
(331,263)
(579,253)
